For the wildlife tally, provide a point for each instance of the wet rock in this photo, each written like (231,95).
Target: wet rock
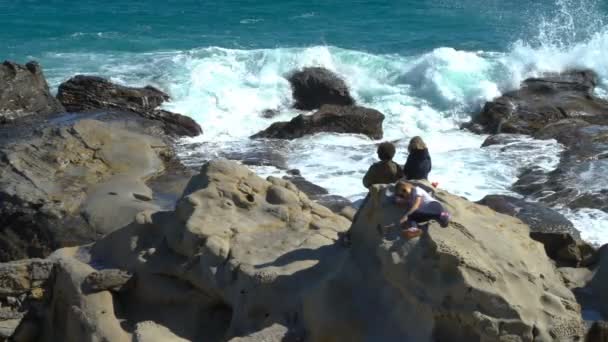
(88,93)
(24,91)
(270,113)
(330,118)
(544,100)
(561,240)
(314,87)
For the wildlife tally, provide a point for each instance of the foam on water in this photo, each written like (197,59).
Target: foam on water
(429,95)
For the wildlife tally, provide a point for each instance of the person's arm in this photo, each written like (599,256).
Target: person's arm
(399,171)
(413,208)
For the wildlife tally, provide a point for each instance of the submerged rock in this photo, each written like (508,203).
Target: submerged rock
(24,91)
(314,87)
(330,118)
(87,93)
(245,258)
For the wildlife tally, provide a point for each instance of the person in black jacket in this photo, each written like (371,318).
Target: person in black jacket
(418,164)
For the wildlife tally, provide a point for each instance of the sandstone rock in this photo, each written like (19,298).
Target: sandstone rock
(561,240)
(541,101)
(242,257)
(330,118)
(46,178)
(473,281)
(19,277)
(24,91)
(313,87)
(86,93)
(107,280)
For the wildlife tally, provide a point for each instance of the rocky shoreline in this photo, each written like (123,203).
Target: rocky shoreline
(105,235)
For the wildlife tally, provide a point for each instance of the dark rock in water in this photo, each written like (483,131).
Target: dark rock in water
(318,193)
(501,139)
(598,332)
(56,182)
(24,91)
(577,181)
(330,118)
(314,87)
(86,93)
(270,113)
(561,240)
(541,101)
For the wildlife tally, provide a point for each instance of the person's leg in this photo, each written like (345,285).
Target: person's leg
(431,211)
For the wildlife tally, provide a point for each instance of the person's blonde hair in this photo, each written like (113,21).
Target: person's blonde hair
(403,187)
(416,143)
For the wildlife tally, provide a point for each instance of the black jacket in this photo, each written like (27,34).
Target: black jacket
(418,165)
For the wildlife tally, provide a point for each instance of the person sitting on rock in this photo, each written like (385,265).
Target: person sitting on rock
(418,164)
(386,171)
(421,206)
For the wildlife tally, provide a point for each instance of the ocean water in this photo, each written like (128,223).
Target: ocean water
(426,64)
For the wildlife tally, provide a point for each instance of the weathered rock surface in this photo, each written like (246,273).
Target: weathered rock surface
(24,91)
(89,93)
(544,100)
(330,118)
(246,258)
(561,240)
(70,183)
(313,87)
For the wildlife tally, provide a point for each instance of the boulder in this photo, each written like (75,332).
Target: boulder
(330,118)
(561,240)
(90,93)
(313,87)
(544,100)
(244,258)
(71,183)
(24,91)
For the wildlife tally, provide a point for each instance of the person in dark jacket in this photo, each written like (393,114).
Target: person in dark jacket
(385,171)
(418,164)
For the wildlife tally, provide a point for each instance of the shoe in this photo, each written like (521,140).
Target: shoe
(444,219)
(411,233)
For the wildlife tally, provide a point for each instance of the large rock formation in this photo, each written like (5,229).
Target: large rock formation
(89,93)
(244,256)
(561,240)
(24,91)
(71,183)
(313,87)
(544,100)
(330,118)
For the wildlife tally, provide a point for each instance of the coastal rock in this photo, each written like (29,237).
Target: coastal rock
(313,87)
(330,118)
(561,240)
(243,257)
(24,91)
(541,101)
(87,93)
(70,184)
(451,284)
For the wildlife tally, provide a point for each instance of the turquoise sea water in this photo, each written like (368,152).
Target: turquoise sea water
(427,65)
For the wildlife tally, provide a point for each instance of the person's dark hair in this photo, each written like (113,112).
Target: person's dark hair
(386,151)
